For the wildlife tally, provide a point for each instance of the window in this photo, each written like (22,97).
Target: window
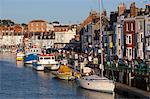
(130,39)
(119,30)
(126,39)
(148,29)
(47,58)
(119,42)
(37,24)
(31,24)
(127,27)
(37,29)
(131,26)
(119,52)
(147,42)
(140,25)
(89,39)
(127,52)
(141,37)
(130,52)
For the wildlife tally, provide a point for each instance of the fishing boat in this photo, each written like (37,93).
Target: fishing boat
(94,82)
(36,66)
(19,56)
(64,73)
(33,50)
(29,58)
(47,59)
(30,55)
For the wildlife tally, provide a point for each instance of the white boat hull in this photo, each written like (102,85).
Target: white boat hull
(97,85)
(39,68)
(54,67)
(28,62)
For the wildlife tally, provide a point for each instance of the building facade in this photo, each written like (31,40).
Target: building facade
(118,40)
(39,26)
(140,25)
(11,36)
(147,37)
(63,35)
(129,34)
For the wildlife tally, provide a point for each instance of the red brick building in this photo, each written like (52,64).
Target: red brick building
(129,35)
(37,26)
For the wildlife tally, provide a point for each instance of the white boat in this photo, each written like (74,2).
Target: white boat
(47,59)
(94,82)
(54,67)
(37,66)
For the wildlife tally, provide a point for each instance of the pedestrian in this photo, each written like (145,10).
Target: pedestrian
(95,62)
(89,60)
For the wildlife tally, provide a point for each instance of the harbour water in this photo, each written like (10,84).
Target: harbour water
(22,82)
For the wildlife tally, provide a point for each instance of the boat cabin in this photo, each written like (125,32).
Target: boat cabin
(47,59)
(33,51)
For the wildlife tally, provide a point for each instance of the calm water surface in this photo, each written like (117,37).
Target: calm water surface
(22,82)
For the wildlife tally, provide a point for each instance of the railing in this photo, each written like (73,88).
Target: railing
(135,76)
(139,69)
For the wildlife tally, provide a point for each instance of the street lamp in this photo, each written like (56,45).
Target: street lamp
(101,51)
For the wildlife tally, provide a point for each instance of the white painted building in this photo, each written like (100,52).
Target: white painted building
(119,40)
(147,37)
(140,36)
(63,35)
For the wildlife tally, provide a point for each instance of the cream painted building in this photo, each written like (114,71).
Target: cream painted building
(63,35)
(11,37)
(140,36)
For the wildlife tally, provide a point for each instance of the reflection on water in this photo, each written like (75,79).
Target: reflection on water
(43,75)
(20,82)
(19,64)
(88,94)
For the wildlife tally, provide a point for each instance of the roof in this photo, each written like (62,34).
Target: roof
(37,21)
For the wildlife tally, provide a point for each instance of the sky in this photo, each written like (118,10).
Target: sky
(64,11)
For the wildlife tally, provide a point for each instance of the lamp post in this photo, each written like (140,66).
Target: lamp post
(101,65)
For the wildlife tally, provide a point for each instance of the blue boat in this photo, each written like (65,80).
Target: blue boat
(29,58)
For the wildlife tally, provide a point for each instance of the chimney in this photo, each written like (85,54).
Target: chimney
(133,10)
(147,9)
(104,13)
(121,9)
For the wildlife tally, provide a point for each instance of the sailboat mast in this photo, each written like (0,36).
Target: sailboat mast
(102,67)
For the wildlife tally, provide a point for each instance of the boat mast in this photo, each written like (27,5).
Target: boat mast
(100,18)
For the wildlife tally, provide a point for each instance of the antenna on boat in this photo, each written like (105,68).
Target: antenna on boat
(101,65)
